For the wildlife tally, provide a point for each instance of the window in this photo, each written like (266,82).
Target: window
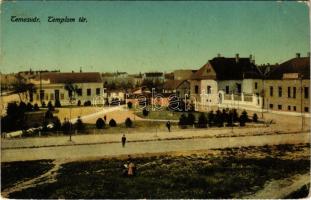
(271,106)
(227,89)
(306,92)
(271,91)
(209,90)
(97,91)
(88,91)
(79,92)
(280,107)
(51,96)
(288,108)
(294,92)
(62,96)
(288,92)
(280,91)
(306,109)
(256,85)
(239,87)
(294,108)
(196,89)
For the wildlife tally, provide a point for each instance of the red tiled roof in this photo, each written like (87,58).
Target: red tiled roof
(76,77)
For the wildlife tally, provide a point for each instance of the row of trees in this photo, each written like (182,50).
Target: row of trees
(216,119)
(100,123)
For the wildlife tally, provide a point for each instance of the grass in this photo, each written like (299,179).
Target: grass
(13,172)
(187,176)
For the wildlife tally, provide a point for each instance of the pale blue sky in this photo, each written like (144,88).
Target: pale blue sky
(150,36)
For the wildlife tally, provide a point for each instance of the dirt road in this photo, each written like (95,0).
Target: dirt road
(115,149)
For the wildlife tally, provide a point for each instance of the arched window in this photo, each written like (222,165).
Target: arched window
(209,89)
(196,89)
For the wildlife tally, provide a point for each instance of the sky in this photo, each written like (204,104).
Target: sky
(149,36)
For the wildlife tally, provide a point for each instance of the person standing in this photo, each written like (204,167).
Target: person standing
(123,140)
(168,125)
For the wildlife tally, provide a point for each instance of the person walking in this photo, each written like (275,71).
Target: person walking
(123,140)
(168,125)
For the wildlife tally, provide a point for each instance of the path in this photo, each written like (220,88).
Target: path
(279,189)
(48,177)
(115,149)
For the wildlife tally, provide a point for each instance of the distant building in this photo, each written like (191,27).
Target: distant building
(179,87)
(154,76)
(52,86)
(183,74)
(287,86)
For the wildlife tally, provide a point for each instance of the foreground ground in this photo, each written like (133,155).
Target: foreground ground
(219,173)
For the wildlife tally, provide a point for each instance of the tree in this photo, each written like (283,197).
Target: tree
(43,105)
(66,127)
(35,107)
(129,105)
(57,103)
(79,103)
(230,118)
(202,121)
(22,108)
(100,123)
(210,118)
(112,123)
(128,123)
(79,124)
(29,107)
(182,121)
(48,114)
(190,119)
(255,118)
(21,86)
(50,106)
(57,124)
(235,115)
(219,120)
(145,112)
(243,118)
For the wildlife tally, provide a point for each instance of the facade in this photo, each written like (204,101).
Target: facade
(154,76)
(287,86)
(68,88)
(224,82)
(183,74)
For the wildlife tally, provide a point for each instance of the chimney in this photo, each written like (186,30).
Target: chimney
(297,55)
(237,57)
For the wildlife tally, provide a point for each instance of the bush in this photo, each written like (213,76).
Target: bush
(145,112)
(235,115)
(210,118)
(36,107)
(219,120)
(243,118)
(255,118)
(87,103)
(128,122)
(129,105)
(79,124)
(202,122)
(22,107)
(48,114)
(100,123)
(230,118)
(50,106)
(57,124)
(79,103)
(66,127)
(43,105)
(112,123)
(57,103)
(183,121)
(29,107)
(190,119)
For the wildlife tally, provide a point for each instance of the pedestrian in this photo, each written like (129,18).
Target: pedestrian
(105,118)
(168,125)
(123,140)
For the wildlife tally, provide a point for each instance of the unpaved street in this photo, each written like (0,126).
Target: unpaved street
(115,149)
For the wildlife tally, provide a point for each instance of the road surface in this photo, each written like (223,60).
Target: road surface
(115,149)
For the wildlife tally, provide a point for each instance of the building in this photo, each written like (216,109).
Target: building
(179,87)
(68,88)
(154,77)
(287,86)
(225,82)
(183,74)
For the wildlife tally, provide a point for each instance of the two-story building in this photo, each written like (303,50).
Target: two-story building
(68,88)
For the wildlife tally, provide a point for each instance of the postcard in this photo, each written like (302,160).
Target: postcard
(155,99)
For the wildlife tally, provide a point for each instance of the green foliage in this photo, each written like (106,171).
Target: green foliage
(129,105)
(100,123)
(79,124)
(87,103)
(243,118)
(128,122)
(112,123)
(183,121)
(210,118)
(255,118)
(36,107)
(202,122)
(145,112)
(43,105)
